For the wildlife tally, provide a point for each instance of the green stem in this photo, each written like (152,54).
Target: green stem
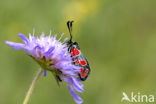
(27,97)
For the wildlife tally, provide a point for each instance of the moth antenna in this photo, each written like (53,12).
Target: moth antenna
(69,25)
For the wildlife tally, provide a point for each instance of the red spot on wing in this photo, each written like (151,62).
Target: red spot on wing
(83,62)
(75,52)
(84,74)
(77,62)
(81,70)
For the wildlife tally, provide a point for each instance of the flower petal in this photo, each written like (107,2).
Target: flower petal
(78,86)
(24,38)
(15,45)
(37,52)
(50,50)
(76,98)
(65,39)
(45,72)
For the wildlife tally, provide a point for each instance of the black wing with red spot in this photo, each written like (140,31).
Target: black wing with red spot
(85,70)
(81,61)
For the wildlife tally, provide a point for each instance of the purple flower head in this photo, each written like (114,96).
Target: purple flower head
(52,55)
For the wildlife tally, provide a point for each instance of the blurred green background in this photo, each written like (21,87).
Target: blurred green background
(118,37)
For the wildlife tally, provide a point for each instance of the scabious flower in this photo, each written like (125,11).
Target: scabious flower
(52,55)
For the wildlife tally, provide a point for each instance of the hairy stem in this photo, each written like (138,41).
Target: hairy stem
(27,97)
